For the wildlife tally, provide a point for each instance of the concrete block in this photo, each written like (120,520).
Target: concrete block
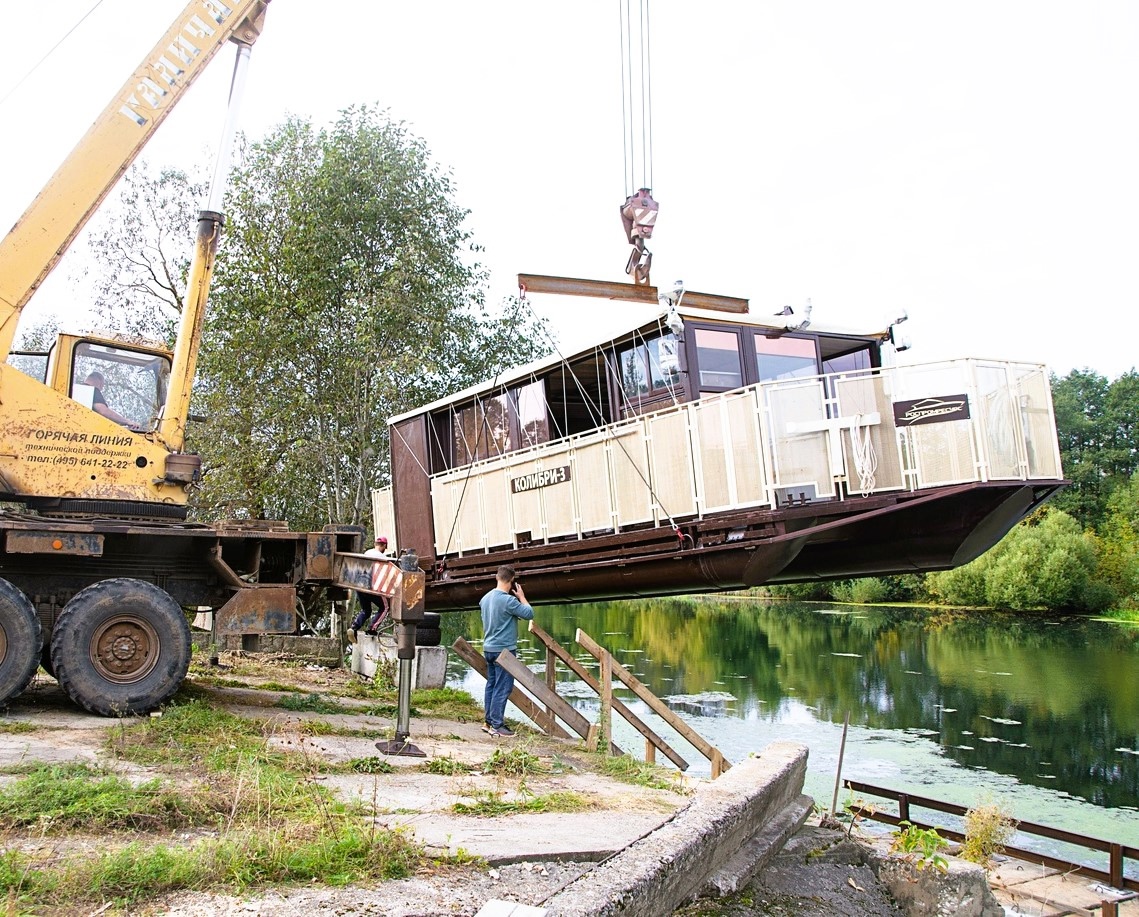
(657,873)
(760,850)
(429,669)
(963,891)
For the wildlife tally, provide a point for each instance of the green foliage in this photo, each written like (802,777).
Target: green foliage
(987,829)
(236,862)
(346,291)
(311,703)
(69,797)
(491,805)
(515,762)
(1098,426)
(446,766)
(920,846)
(372,765)
(637,772)
(1044,563)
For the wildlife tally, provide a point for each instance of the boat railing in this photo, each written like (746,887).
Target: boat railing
(840,436)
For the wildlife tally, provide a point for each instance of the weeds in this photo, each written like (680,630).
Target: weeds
(987,829)
(517,762)
(13,727)
(136,872)
(490,805)
(920,846)
(446,766)
(311,703)
(275,825)
(630,770)
(372,765)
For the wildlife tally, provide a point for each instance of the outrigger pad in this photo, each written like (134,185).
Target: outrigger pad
(401,747)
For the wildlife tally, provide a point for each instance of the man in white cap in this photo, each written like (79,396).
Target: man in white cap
(366,599)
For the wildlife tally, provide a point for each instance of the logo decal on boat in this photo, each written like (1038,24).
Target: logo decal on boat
(931,410)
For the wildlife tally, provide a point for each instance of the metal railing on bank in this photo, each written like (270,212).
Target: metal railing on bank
(1117,853)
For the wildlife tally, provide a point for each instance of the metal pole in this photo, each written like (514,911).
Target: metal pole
(841,752)
(403,720)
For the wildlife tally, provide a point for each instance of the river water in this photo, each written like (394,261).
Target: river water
(1037,713)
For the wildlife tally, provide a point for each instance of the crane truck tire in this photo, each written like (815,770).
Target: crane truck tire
(121,646)
(20,641)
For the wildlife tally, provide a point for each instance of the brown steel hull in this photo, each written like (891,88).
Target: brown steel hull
(874,536)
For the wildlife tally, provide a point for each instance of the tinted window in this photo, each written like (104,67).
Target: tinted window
(718,354)
(785,357)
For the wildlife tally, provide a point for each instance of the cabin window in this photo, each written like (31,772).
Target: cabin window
(132,382)
(634,372)
(649,368)
(532,419)
(718,356)
(664,361)
(849,362)
(482,430)
(785,357)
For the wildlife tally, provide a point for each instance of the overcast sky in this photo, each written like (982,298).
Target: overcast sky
(973,163)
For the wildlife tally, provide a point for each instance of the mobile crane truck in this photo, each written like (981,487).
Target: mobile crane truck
(97,560)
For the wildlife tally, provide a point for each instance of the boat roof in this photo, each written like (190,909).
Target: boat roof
(652,314)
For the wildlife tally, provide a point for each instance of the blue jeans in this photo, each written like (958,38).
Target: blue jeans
(499,684)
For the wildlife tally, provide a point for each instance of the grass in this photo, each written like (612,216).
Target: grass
(491,805)
(58,798)
(13,727)
(311,703)
(517,762)
(135,872)
(268,822)
(628,769)
(446,766)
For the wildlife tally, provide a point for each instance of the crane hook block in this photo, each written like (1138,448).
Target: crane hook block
(639,214)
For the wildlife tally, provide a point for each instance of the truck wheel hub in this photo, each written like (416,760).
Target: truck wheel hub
(124,649)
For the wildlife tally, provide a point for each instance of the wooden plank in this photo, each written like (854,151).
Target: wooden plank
(658,706)
(475,660)
(532,683)
(607,289)
(606,718)
(635,721)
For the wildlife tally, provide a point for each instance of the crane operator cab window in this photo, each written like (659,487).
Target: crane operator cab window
(128,386)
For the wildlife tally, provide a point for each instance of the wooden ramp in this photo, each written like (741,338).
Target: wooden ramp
(551,707)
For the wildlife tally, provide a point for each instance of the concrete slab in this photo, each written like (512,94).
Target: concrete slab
(576,836)
(655,874)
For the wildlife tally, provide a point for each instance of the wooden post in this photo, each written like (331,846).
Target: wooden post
(592,737)
(607,697)
(630,717)
(717,763)
(650,752)
(658,706)
(551,677)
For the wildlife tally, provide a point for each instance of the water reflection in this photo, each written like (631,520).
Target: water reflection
(1053,703)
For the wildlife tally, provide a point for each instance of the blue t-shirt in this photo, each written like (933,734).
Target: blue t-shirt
(500,611)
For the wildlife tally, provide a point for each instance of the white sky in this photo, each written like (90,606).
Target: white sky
(973,163)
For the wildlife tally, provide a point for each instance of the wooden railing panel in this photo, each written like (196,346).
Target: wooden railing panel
(652,740)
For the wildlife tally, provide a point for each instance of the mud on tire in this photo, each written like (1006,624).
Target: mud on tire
(20,641)
(121,646)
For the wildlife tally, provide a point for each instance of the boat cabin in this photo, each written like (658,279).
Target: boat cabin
(706,449)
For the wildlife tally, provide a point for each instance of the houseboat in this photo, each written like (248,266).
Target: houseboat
(707,448)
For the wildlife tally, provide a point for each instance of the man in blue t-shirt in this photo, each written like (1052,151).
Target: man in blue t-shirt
(501,608)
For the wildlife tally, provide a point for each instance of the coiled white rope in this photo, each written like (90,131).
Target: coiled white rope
(863,454)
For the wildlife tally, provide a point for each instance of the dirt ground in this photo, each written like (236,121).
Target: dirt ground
(406,798)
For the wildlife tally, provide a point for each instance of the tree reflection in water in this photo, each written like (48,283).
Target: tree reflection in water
(1052,702)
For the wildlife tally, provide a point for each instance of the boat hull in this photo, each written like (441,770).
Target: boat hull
(878,536)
